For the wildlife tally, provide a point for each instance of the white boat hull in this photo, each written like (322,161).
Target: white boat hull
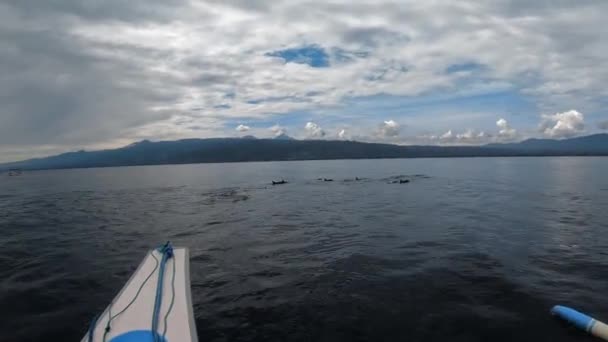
(135,323)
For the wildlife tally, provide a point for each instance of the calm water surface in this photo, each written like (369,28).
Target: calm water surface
(470,250)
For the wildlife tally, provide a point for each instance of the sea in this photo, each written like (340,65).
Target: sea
(470,249)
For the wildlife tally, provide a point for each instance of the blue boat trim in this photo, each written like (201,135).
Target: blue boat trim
(578,319)
(139,336)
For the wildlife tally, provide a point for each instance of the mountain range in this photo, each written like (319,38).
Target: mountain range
(217,150)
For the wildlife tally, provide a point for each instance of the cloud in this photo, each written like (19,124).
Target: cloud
(468,137)
(90,73)
(389,129)
(313,130)
(342,134)
(562,125)
(447,135)
(472,136)
(475,137)
(278,130)
(242,128)
(506,132)
(603,125)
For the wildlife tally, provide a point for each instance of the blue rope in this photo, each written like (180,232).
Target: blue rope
(167,252)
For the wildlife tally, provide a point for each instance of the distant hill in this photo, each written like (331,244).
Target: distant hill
(240,150)
(283,136)
(596,144)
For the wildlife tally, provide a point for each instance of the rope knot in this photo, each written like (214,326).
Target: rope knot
(166,249)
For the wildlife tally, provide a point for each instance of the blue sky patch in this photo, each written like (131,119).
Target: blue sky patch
(313,55)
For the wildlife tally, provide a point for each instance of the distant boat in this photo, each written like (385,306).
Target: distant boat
(403,181)
(328,180)
(282,181)
(154,305)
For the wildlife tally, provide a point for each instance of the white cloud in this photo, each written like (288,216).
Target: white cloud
(468,137)
(206,60)
(505,131)
(342,134)
(278,130)
(313,130)
(389,129)
(447,135)
(562,125)
(242,128)
(475,137)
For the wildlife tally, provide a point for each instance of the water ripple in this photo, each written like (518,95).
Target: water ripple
(458,253)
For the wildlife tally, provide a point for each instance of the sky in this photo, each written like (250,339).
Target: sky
(87,74)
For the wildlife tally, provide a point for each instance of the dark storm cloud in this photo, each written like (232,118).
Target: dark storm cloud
(53,90)
(117,10)
(373,36)
(248,5)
